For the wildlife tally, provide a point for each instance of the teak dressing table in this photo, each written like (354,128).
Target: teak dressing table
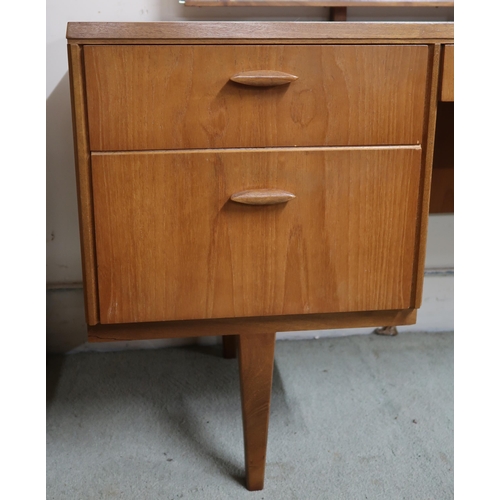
(245,178)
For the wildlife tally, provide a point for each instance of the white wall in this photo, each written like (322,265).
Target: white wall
(65,323)
(63,251)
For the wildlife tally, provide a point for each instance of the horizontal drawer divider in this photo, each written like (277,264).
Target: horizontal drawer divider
(254,150)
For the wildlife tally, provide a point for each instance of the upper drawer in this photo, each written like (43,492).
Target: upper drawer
(180,97)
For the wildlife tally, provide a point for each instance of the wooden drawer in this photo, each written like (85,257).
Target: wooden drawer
(172,245)
(154,97)
(447,74)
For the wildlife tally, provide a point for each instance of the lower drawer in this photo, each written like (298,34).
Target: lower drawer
(171,244)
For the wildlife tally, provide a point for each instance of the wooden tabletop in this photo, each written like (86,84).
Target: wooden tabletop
(226,32)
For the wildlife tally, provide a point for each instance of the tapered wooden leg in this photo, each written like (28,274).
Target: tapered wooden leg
(229,345)
(256,360)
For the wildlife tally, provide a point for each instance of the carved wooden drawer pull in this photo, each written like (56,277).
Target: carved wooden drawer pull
(262,197)
(264,78)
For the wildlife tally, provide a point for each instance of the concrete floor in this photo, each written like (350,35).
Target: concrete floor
(360,417)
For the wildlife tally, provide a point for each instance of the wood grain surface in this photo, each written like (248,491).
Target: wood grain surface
(426,173)
(83,182)
(265,78)
(171,245)
(254,325)
(447,76)
(262,197)
(175,97)
(256,362)
(239,32)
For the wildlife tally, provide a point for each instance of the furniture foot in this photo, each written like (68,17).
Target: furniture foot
(229,346)
(386,330)
(256,361)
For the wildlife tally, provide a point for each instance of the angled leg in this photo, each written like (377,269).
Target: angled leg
(256,360)
(229,346)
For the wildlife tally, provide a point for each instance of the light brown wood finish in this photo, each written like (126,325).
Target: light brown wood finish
(264,78)
(230,346)
(155,97)
(212,327)
(348,251)
(426,173)
(447,77)
(171,245)
(262,197)
(84,182)
(438,38)
(256,362)
(259,32)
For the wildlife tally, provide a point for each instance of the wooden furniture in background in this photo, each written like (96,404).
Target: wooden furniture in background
(442,188)
(212,207)
(340,4)
(447,71)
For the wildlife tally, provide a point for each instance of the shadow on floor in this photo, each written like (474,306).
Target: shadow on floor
(166,384)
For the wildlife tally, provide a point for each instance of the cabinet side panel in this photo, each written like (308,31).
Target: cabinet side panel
(426,178)
(83,180)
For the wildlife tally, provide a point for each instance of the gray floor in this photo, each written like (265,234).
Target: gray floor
(361,417)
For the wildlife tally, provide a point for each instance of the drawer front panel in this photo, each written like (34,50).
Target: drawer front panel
(172,245)
(180,97)
(447,73)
